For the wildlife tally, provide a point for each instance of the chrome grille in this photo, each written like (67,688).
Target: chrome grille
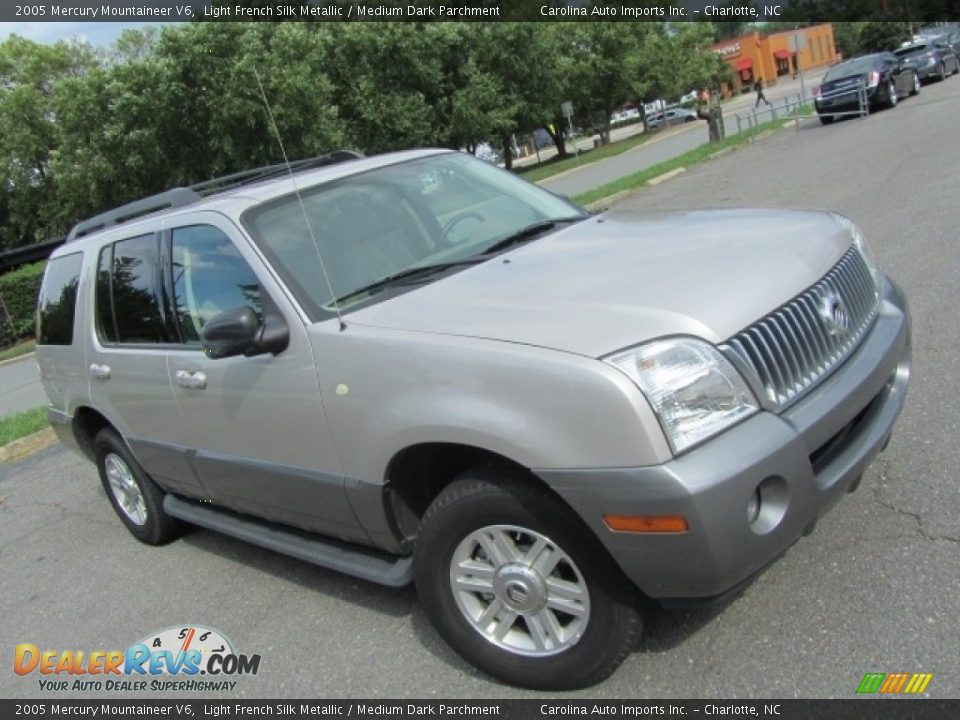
(795,346)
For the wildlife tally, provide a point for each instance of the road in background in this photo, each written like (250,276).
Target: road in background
(20,387)
(874,589)
(676,142)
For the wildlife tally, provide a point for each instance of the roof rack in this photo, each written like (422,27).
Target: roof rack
(183,196)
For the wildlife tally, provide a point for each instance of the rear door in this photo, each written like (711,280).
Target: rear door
(255,427)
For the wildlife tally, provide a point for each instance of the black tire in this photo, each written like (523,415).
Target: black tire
(915,88)
(488,496)
(943,72)
(891,95)
(826,119)
(157,527)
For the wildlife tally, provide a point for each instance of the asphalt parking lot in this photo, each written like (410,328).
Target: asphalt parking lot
(875,589)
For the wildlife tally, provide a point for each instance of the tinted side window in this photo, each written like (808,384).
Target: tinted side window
(135,288)
(106,323)
(58,300)
(209,277)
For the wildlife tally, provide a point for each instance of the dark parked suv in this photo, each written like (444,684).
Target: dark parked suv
(932,58)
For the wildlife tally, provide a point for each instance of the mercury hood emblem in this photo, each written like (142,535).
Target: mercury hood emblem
(835,315)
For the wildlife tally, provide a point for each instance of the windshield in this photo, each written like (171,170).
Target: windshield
(437,210)
(859,66)
(912,50)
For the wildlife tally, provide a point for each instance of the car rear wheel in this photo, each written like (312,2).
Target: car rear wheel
(136,499)
(826,119)
(516,585)
(891,95)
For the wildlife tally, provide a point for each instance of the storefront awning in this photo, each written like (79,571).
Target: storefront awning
(743,64)
(781,54)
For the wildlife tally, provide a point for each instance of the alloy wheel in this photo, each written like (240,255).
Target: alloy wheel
(520,590)
(125,489)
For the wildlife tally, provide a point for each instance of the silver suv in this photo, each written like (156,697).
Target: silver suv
(420,368)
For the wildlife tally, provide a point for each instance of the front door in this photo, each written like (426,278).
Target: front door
(258,437)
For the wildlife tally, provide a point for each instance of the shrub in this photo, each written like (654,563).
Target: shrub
(18,291)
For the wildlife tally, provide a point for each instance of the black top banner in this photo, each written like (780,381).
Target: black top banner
(920,11)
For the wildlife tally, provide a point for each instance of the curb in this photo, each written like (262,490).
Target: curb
(18,358)
(666,176)
(607,202)
(721,153)
(28,445)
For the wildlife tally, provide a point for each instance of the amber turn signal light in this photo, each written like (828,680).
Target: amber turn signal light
(646,523)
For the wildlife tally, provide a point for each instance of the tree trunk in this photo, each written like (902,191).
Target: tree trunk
(714,117)
(558,140)
(507,151)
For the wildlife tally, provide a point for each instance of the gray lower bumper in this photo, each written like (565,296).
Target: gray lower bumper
(803,461)
(62,425)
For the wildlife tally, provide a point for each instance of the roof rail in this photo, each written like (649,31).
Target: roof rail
(183,196)
(177,197)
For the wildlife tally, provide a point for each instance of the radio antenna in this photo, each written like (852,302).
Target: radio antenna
(303,209)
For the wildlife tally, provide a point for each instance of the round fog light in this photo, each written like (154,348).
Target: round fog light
(767,505)
(753,507)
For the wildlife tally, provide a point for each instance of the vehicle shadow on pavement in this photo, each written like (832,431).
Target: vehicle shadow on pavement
(394,602)
(665,629)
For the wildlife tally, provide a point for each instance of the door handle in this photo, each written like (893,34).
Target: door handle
(100,372)
(191,380)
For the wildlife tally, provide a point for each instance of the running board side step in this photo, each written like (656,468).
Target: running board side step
(349,559)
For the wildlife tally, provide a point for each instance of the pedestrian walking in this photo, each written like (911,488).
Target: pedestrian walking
(758,87)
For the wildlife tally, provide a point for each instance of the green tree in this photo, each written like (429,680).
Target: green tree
(879,36)
(29,75)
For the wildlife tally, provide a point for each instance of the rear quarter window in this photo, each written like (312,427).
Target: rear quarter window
(57,304)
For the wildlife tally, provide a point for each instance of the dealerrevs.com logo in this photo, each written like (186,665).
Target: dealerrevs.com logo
(185,658)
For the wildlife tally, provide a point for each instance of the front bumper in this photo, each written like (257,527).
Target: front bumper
(803,460)
(849,101)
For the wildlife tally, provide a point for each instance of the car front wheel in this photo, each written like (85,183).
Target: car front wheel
(891,95)
(916,85)
(518,587)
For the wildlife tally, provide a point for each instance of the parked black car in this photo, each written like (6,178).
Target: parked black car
(883,78)
(933,58)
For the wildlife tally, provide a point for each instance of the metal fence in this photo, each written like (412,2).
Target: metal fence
(800,106)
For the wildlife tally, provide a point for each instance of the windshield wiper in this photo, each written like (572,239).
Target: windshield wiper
(529,233)
(405,276)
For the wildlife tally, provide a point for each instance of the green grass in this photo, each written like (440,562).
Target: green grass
(13,427)
(554,166)
(17,350)
(697,155)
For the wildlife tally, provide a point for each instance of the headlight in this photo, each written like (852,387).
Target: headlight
(693,389)
(861,242)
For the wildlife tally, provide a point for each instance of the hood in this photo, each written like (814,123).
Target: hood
(622,278)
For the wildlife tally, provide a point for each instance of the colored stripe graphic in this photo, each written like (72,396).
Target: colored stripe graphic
(894,683)
(918,683)
(870,683)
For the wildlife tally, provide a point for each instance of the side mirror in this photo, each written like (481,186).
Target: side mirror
(240,332)
(232,332)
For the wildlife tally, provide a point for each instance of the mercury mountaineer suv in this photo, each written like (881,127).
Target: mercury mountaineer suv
(420,368)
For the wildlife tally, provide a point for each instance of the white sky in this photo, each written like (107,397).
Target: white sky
(101,34)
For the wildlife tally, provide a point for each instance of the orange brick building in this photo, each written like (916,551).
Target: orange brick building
(769,57)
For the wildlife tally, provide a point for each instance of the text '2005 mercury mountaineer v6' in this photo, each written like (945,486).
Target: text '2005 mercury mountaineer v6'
(420,368)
